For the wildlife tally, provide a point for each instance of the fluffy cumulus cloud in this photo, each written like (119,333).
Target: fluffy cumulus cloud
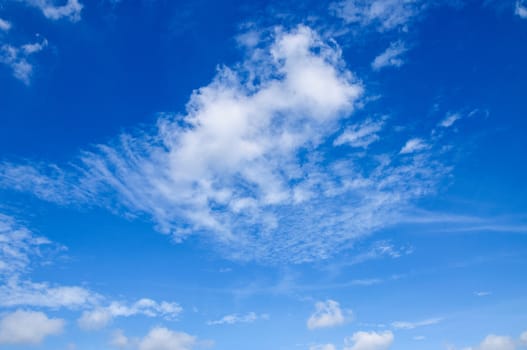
(250,164)
(53,10)
(164,339)
(497,342)
(100,316)
(391,57)
(369,341)
(28,327)
(235,318)
(18,58)
(383,14)
(327,314)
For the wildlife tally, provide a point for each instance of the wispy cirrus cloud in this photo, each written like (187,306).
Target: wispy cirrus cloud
(248,166)
(237,318)
(413,325)
(101,316)
(391,57)
(71,10)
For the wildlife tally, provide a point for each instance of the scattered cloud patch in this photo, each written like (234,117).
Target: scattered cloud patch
(236,318)
(482,293)
(28,327)
(119,339)
(384,15)
(369,341)
(391,57)
(360,135)
(102,316)
(17,59)
(328,314)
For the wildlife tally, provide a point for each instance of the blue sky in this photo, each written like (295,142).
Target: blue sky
(312,175)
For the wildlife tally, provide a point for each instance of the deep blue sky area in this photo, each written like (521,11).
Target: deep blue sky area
(335,175)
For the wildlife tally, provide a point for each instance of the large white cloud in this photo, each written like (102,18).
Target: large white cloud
(28,327)
(250,165)
(55,10)
(497,342)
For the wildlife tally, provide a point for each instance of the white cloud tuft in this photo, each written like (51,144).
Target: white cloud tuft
(450,120)
(391,57)
(414,145)
(164,339)
(119,339)
(235,318)
(5,25)
(28,327)
(369,341)
(323,347)
(521,9)
(71,9)
(327,314)
(497,342)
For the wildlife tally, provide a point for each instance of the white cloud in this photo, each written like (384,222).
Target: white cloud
(496,342)
(101,316)
(71,9)
(327,314)
(246,166)
(361,134)
(391,57)
(369,341)
(414,145)
(164,339)
(28,327)
(523,338)
(119,339)
(450,120)
(482,294)
(383,14)
(412,325)
(521,9)
(17,59)
(235,318)
(5,25)
(323,347)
